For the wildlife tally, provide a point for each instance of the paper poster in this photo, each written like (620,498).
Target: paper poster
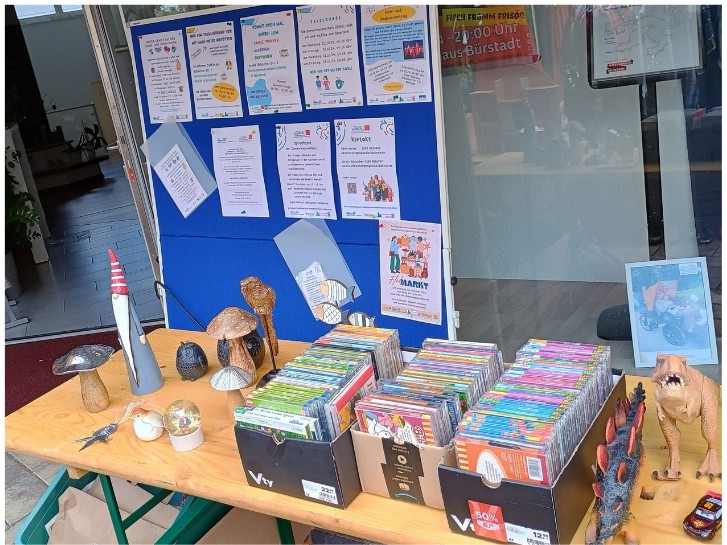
(238,163)
(328,50)
(177,176)
(271,67)
(396,54)
(410,265)
(366,166)
(165,76)
(215,78)
(309,282)
(304,167)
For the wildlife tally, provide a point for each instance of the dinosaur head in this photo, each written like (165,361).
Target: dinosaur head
(670,375)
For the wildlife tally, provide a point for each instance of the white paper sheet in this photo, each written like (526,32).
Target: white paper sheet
(329,61)
(304,166)
(396,54)
(237,159)
(177,176)
(271,67)
(215,78)
(309,282)
(411,278)
(366,166)
(165,76)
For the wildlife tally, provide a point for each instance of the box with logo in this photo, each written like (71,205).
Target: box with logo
(400,470)
(524,513)
(311,470)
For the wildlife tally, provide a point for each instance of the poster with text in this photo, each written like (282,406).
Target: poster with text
(215,78)
(165,76)
(304,167)
(366,167)
(177,177)
(410,268)
(329,62)
(396,54)
(271,67)
(237,159)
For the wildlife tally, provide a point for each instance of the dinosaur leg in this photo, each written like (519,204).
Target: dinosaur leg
(711,465)
(672,436)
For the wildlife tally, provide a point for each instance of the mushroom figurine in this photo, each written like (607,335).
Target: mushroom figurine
(232,324)
(230,379)
(85,360)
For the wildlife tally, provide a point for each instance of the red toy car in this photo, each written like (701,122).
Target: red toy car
(706,518)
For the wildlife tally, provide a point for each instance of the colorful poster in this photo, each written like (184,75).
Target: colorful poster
(366,166)
(215,78)
(271,67)
(238,163)
(328,50)
(492,34)
(410,267)
(304,167)
(165,76)
(177,177)
(396,54)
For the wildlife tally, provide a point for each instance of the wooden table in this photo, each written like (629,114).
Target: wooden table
(47,427)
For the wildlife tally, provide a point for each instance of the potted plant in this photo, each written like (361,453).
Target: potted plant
(20,221)
(90,141)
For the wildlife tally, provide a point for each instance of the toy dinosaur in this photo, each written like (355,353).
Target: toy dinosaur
(618,472)
(682,393)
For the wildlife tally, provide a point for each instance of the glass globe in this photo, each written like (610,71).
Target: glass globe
(181,417)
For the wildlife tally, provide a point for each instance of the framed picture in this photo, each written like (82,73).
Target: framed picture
(671,311)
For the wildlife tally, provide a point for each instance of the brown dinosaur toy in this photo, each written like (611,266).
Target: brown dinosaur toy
(682,393)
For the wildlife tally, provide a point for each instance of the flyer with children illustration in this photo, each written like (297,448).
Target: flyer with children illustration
(410,268)
(366,167)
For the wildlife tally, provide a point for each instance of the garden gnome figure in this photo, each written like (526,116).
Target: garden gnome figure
(144,374)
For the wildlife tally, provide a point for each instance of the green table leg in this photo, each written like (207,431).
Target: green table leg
(108,492)
(285,531)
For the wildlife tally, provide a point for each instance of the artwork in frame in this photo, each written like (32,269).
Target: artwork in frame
(670,308)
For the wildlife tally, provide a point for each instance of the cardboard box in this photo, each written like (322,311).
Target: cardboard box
(239,527)
(526,513)
(401,471)
(311,470)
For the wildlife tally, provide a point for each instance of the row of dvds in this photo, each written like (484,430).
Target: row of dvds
(425,402)
(530,422)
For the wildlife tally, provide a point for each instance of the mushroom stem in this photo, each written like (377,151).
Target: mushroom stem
(239,356)
(93,392)
(235,399)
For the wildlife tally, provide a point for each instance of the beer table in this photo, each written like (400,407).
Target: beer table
(46,428)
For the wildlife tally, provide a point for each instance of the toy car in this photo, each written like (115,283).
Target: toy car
(706,518)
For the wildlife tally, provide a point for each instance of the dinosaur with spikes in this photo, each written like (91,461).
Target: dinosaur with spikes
(618,470)
(682,394)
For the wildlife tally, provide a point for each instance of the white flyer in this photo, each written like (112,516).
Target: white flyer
(366,166)
(410,267)
(165,76)
(271,67)
(237,159)
(177,176)
(309,281)
(329,61)
(396,54)
(215,78)
(304,167)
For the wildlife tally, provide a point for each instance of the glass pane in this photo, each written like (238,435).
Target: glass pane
(25,12)
(137,13)
(70,8)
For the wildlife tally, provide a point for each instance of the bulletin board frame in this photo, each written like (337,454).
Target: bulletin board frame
(203,257)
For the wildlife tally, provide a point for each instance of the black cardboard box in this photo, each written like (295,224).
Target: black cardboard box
(321,472)
(527,513)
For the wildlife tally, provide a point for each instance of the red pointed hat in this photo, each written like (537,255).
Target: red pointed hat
(118,282)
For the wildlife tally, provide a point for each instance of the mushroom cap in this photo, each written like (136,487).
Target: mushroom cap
(231,323)
(231,378)
(86,357)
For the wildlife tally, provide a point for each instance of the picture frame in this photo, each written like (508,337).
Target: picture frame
(670,309)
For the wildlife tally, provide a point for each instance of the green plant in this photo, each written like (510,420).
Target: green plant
(20,217)
(90,139)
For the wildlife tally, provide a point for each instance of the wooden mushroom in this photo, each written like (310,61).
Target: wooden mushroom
(232,324)
(230,379)
(85,360)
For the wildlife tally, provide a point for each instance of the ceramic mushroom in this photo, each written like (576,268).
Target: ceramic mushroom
(230,379)
(232,324)
(84,360)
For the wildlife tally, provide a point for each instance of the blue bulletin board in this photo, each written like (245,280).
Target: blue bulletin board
(205,256)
